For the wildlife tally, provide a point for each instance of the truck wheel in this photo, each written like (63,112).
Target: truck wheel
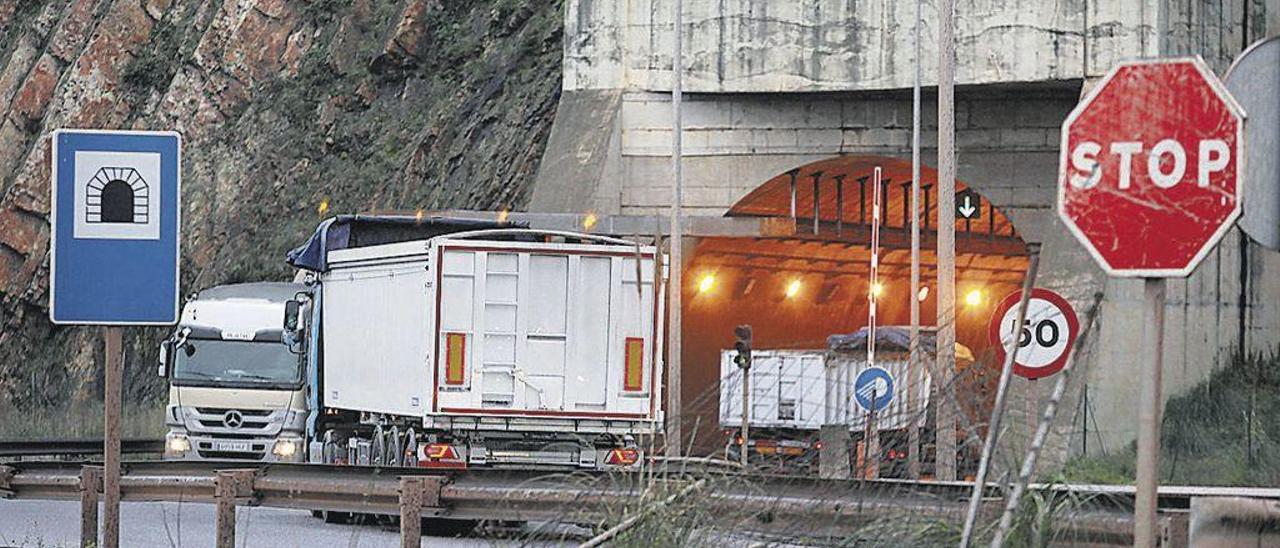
(443,527)
(336,517)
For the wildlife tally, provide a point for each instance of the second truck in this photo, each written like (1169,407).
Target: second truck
(446,343)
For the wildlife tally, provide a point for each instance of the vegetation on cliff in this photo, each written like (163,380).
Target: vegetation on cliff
(289,111)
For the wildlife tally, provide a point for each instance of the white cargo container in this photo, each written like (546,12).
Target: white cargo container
(799,389)
(786,390)
(501,343)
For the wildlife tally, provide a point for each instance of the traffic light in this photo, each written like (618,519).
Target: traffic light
(743,345)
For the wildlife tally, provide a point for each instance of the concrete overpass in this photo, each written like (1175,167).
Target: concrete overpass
(824,86)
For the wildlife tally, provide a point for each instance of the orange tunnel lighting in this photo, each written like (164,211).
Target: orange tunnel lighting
(793,288)
(973,297)
(707,282)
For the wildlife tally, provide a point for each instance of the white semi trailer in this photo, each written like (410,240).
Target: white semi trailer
(236,385)
(494,347)
(792,393)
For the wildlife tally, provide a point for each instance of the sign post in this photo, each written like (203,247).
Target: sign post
(114,256)
(1149,182)
(873,390)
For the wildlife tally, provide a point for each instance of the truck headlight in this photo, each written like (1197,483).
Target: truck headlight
(178,444)
(286,447)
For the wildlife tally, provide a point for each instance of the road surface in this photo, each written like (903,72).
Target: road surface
(47,524)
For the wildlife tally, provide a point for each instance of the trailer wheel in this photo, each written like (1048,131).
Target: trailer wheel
(410,453)
(378,452)
(336,517)
(444,527)
(329,449)
(395,449)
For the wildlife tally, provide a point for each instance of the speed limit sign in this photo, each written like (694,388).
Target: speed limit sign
(1045,337)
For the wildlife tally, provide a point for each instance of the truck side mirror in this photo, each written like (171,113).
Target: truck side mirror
(166,351)
(292,309)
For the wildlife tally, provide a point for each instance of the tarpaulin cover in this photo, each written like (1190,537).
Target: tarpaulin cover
(349,231)
(894,338)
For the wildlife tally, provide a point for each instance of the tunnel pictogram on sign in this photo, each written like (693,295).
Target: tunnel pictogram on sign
(117,195)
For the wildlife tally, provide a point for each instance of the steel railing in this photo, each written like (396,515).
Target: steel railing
(76,447)
(773,504)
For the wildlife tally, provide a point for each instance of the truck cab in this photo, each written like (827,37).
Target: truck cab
(236,368)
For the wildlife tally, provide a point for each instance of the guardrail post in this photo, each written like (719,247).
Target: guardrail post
(416,493)
(90,486)
(6,480)
(230,487)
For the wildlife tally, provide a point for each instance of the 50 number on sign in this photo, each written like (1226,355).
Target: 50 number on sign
(1041,328)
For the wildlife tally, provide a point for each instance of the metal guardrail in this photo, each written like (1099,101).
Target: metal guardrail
(768,504)
(762,503)
(76,447)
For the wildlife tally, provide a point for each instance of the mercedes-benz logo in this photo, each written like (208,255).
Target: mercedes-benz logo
(233,419)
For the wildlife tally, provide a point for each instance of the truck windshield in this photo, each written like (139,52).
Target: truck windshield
(212,361)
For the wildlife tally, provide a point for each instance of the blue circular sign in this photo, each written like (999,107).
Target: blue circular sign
(873,382)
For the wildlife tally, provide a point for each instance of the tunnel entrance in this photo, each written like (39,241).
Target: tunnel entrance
(117,202)
(810,280)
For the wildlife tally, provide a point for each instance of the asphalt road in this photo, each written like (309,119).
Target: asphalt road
(47,524)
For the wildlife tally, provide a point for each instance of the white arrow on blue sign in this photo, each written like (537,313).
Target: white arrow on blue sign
(116,220)
(873,389)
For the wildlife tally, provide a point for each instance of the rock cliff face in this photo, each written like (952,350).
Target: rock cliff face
(290,111)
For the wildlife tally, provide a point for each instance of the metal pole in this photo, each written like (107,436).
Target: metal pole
(746,410)
(1042,431)
(839,205)
(946,359)
(1144,504)
(793,174)
(872,299)
(873,438)
(111,449)
(816,177)
(674,438)
(914,373)
(1002,390)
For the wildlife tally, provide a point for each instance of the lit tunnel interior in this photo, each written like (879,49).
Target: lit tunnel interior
(800,286)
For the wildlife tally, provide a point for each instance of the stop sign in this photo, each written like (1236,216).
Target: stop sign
(1150,167)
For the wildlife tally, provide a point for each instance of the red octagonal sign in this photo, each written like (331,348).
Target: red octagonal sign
(1149,178)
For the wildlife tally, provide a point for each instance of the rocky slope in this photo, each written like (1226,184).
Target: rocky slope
(290,111)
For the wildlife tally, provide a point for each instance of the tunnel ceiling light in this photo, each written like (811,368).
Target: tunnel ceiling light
(973,297)
(793,288)
(707,282)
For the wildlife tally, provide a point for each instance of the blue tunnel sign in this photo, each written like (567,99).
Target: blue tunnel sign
(115,220)
(873,389)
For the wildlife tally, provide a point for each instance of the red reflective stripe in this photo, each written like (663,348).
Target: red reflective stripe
(623,456)
(633,374)
(441,451)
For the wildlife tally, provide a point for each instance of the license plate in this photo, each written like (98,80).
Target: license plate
(240,446)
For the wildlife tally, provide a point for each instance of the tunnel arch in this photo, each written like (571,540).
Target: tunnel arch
(822,253)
